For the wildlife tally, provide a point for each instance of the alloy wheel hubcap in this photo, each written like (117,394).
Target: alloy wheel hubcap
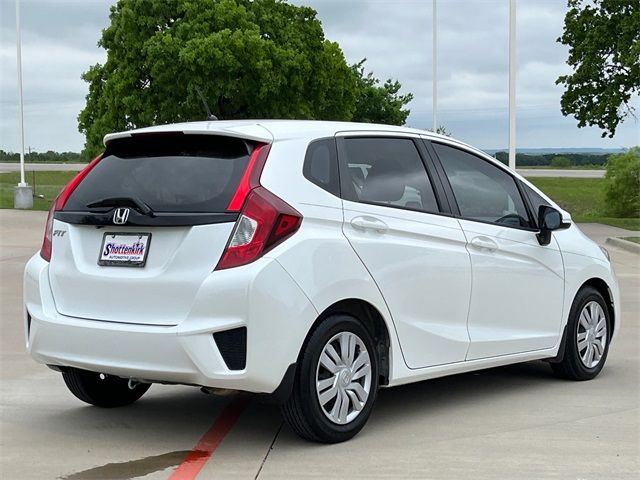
(592,334)
(343,377)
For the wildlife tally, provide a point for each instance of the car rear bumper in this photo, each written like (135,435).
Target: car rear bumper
(261,297)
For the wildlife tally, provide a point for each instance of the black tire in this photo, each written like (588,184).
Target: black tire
(302,411)
(571,366)
(102,390)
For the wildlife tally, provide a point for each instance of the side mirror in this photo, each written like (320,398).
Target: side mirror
(549,219)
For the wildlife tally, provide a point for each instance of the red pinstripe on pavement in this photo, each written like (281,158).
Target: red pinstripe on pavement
(205,448)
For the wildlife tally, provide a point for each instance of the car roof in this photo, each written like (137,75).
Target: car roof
(270,130)
(273,130)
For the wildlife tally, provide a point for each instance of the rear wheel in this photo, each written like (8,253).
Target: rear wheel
(336,382)
(587,339)
(102,390)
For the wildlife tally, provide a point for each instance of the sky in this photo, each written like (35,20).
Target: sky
(59,42)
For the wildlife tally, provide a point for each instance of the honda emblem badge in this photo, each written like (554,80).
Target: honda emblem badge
(121,216)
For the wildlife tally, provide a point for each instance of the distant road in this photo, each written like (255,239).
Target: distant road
(527,172)
(42,167)
(543,172)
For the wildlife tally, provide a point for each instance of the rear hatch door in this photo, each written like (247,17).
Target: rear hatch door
(146,226)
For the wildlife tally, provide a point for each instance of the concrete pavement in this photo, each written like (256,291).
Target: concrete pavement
(569,173)
(42,167)
(599,232)
(517,422)
(532,172)
(624,244)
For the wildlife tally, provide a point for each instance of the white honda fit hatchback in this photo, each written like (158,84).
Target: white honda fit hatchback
(310,261)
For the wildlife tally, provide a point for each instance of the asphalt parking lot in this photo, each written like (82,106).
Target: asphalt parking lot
(516,422)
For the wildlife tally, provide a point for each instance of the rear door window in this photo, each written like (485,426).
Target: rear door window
(386,171)
(172,173)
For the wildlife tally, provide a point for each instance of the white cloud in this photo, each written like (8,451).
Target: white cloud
(59,43)
(53,93)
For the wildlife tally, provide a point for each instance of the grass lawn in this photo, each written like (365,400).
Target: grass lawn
(48,184)
(632,239)
(572,167)
(584,199)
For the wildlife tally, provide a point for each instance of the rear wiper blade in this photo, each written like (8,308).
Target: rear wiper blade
(132,202)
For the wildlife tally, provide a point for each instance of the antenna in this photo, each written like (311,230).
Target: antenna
(210,116)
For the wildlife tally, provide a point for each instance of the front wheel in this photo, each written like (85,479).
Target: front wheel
(336,382)
(587,338)
(102,390)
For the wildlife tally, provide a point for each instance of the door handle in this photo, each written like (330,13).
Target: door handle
(484,243)
(369,223)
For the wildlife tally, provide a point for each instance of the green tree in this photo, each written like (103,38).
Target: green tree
(443,131)
(622,184)
(560,162)
(250,58)
(379,103)
(603,37)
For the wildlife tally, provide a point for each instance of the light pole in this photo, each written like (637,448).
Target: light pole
(512,84)
(23,194)
(435,66)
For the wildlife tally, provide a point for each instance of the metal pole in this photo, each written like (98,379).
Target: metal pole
(20,102)
(435,66)
(512,84)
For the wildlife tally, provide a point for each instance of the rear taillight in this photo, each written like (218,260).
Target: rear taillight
(251,177)
(265,220)
(58,204)
(45,250)
(73,184)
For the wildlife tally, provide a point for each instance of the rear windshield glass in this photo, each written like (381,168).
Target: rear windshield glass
(168,172)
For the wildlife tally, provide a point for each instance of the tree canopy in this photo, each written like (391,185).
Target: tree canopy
(604,50)
(587,160)
(250,58)
(560,161)
(622,183)
(378,104)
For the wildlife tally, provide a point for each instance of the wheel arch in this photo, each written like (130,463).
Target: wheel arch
(603,288)
(372,320)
